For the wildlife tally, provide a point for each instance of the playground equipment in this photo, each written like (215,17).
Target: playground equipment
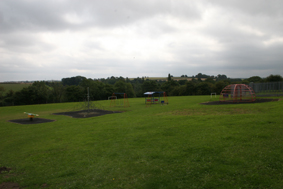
(155,97)
(115,101)
(237,93)
(87,106)
(31,115)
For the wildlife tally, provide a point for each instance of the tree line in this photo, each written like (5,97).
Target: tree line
(76,89)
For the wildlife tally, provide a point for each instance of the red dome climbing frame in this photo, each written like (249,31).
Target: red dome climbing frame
(237,93)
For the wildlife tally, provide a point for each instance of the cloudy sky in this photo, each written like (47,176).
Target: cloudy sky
(54,39)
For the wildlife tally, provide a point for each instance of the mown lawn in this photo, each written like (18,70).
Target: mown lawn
(180,145)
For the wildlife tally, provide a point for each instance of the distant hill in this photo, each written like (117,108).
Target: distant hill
(14,86)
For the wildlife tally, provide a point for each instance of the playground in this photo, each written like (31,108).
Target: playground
(180,145)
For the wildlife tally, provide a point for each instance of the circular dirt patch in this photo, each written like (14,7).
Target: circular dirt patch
(86,114)
(34,121)
(231,102)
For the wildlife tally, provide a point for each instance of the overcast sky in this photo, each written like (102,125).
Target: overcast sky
(54,39)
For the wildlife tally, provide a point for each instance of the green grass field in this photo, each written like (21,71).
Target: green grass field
(180,145)
(14,86)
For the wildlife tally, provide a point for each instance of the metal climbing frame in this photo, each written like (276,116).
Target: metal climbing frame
(237,93)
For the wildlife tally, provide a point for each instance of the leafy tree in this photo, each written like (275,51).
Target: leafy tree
(129,90)
(96,89)
(9,97)
(255,79)
(25,96)
(37,93)
(150,85)
(273,78)
(182,90)
(169,77)
(179,91)
(168,86)
(182,82)
(190,87)
(108,90)
(120,86)
(73,80)
(74,93)
(42,92)
(221,77)
(209,80)
(204,88)
(57,91)
(244,81)
(2,90)
(220,85)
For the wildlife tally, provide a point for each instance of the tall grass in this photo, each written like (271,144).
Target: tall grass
(180,145)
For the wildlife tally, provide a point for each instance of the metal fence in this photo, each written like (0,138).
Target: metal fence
(268,89)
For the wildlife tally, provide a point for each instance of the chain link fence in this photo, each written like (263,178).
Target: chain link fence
(268,89)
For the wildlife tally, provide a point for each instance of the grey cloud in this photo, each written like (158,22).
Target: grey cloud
(50,15)
(237,32)
(252,7)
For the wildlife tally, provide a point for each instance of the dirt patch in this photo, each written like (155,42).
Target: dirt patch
(9,185)
(231,102)
(86,114)
(34,121)
(4,170)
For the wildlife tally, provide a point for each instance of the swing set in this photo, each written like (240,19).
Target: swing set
(115,101)
(156,97)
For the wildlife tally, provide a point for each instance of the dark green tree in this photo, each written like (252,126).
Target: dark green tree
(42,92)
(130,90)
(273,78)
(190,88)
(9,98)
(2,90)
(72,80)
(169,77)
(57,91)
(168,86)
(204,88)
(220,85)
(150,85)
(210,80)
(74,93)
(255,79)
(120,86)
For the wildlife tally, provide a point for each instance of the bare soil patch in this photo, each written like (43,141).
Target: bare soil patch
(4,170)
(7,185)
(261,100)
(34,121)
(86,113)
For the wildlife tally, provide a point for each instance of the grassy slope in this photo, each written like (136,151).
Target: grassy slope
(14,86)
(182,145)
